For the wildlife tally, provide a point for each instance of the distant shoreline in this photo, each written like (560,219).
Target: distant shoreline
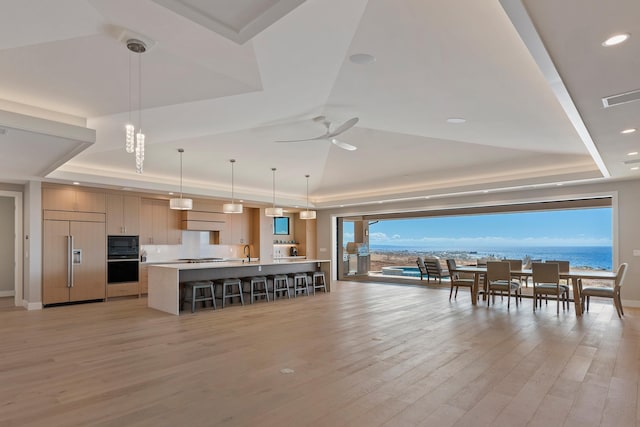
(599,259)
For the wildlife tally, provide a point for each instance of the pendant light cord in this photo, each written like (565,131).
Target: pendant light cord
(307,176)
(274,186)
(180,150)
(232,193)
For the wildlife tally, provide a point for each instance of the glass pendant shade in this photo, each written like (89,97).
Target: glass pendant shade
(232,208)
(139,152)
(130,141)
(179,203)
(307,214)
(273,211)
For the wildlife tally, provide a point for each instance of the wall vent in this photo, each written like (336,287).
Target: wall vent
(622,98)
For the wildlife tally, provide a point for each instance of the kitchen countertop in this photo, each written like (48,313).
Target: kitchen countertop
(227,264)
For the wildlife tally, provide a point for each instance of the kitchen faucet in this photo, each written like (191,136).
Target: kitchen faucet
(247,252)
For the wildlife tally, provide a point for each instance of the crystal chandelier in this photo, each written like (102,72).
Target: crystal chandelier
(273,211)
(233,207)
(134,142)
(307,214)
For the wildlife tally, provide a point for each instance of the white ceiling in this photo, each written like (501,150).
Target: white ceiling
(225,79)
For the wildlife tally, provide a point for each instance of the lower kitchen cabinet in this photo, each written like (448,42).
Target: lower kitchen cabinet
(143,280)
(122,289)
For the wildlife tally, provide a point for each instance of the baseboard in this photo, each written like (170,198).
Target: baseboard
(7,293)
(32,305)
(633,303)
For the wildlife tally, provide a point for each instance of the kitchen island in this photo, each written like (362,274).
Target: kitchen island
(165,279)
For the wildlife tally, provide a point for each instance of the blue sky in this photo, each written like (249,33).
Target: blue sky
(576,227)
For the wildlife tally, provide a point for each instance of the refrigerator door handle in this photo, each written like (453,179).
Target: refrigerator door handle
(71,259)
(69,256)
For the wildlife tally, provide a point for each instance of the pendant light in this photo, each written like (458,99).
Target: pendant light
(232,208)
(273,211)
(307,214)
(136,145)
(181,204)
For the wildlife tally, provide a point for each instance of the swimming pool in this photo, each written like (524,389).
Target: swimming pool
(401,270)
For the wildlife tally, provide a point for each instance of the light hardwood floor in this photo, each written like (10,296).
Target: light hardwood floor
(364,355)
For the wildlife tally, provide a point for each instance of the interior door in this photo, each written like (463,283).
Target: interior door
(89,265)
(54,263)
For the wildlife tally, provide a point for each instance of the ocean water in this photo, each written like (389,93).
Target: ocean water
(596,257)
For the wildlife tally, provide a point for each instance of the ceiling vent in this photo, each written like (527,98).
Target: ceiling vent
(631,162)
(623,98)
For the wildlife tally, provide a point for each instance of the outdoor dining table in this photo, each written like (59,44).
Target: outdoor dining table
(574,275)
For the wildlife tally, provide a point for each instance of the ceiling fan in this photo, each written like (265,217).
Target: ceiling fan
(330,135)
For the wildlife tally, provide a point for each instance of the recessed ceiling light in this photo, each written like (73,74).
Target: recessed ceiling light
(630,130)
(362,58)
(559,184)
(171,193)
(76,183)
(635,168)
(633,153)
(616,39)
(126,188)
(456,120)
(427,197)
(485,191)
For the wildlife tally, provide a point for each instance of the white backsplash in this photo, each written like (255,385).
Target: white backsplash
(195,244)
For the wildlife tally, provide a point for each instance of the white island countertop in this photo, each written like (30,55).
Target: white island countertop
(235,263)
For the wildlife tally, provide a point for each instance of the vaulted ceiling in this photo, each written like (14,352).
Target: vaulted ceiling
(226,79)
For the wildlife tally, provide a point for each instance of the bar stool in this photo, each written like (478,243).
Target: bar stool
(280,285)
(318,281)
(227,289)
(300,283)
(198,293)
(257,287)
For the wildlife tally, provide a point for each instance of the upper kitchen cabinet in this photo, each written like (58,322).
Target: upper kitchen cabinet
(158,224)
(123,215)
(61,198)
(238,230)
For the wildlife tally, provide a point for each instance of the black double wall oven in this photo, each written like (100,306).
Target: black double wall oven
(123,257)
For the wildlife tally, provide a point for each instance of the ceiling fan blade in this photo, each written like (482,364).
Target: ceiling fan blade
(343,145)
(344,127)
(317,138)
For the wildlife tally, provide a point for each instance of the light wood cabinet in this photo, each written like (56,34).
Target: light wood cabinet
(143,279)
(238,229)
(74,261)
(72,199)
(123,215)
(122,289)
(159,225)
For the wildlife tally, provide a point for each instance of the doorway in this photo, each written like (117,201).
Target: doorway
(11,250)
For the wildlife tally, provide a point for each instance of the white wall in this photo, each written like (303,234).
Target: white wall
(626,233)
(32,296)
